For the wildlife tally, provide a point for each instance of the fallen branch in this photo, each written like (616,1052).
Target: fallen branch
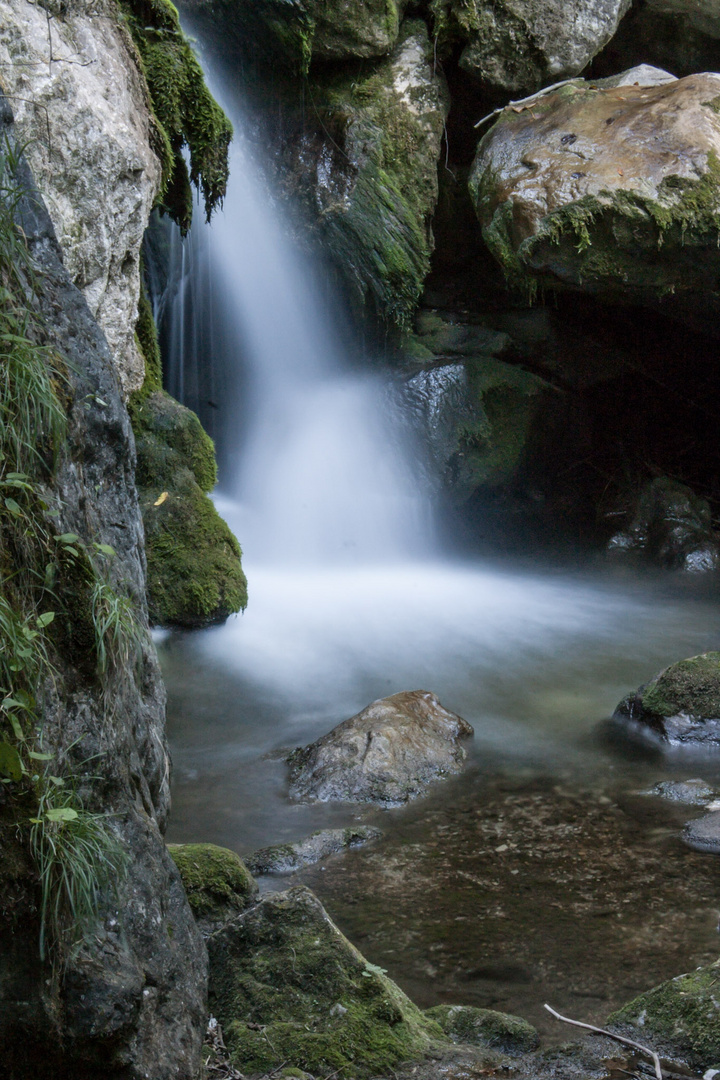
(522,103)
(618,1038)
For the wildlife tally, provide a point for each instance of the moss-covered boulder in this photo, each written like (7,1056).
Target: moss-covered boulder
(485,1027)
(217,882)
(613,190)
(289,989)
(668,525)
(363,165)
(195,575)
(681,1017)
(516,45)
(681,705)
(296,33)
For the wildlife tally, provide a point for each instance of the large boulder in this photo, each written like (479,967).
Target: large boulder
(669,526)
(516,45)
(613,190)
(389,753)
(289,989)
(681,1017)
(681,705)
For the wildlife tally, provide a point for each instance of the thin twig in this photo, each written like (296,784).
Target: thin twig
(525,100)
(618,1038)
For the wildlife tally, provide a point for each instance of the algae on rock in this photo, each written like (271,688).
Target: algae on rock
(195,575)
(290,989)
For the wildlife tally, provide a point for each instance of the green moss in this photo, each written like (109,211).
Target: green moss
(290,990)
(486,1027)
(217,882)
(684,1013)
(186,112)
(194,565)
(690,686)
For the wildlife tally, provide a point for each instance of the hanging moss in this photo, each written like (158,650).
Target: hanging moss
(186,111)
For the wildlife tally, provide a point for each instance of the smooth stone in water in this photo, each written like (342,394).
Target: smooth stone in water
(286,858)
(703,834)
(388,754)
(690,792)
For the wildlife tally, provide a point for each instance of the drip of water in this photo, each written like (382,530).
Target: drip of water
(312,451)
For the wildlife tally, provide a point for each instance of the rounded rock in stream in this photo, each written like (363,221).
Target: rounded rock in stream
(388,754)
(680,706)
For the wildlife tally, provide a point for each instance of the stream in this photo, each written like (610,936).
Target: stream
(544,872)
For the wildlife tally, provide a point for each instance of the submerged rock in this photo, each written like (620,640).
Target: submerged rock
(486,1027)
(703,834)
(286,858)
(681,705)
(389,753)
(689,792)
(289,989)
(217,882)
(670,526)
(683,1015)
(612,190)
(521,44)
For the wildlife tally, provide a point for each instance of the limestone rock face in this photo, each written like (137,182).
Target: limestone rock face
(681,705)
(132,1000)
(81,108)
(522,44)
(389,753)
(612,190)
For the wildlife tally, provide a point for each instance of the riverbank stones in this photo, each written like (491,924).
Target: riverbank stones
(287,858)
(680,707)
(387,754)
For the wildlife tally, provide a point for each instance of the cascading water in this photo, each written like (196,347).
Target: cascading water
(310,451)
(348,603)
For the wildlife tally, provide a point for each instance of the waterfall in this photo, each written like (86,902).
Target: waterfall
(315,463)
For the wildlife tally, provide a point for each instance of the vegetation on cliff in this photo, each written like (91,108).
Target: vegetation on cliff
(187,114)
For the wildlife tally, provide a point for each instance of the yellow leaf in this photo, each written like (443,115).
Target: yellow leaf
(161,500)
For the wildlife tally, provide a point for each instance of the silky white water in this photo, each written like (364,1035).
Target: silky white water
(350,599)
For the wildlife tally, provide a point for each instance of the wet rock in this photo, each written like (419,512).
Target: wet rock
(522,44)
(701,15)
(689,792)
(703,834)
(290,990)
(670,526)
(681,1016)
(298,32)
(680,706)
(497,1030)
(217,882)
(286,858)
(388,754)
(476,418)
(614,191)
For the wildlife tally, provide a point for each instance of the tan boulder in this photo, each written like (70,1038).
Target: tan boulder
(609,189)
(389,753)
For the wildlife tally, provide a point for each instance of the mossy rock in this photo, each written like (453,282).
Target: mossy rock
(217,882)
(289,989)
(683,1015)
(195,574)
(485,1027)
(638,227)
(681,705)
(296,33)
